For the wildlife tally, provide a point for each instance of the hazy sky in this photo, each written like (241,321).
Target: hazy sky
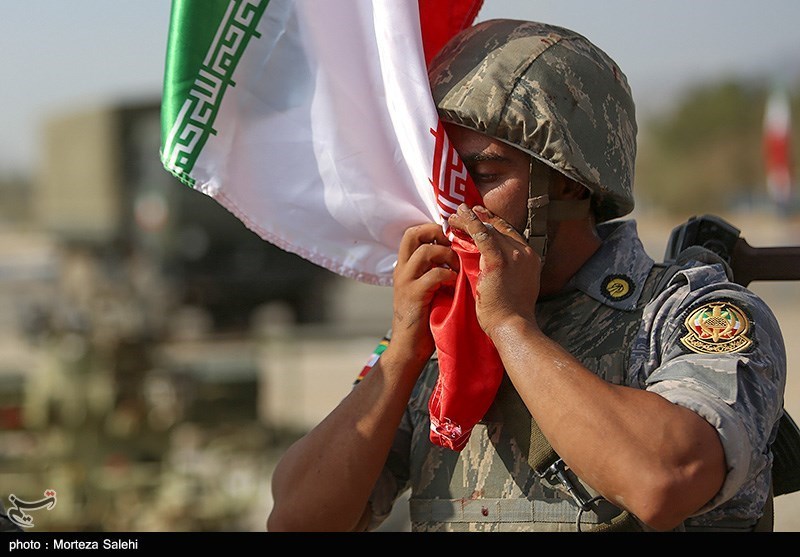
(62,55)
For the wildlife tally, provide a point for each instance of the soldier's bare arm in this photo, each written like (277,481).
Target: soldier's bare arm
(323,481)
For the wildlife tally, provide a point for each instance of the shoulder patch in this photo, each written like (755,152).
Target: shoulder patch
(716,328)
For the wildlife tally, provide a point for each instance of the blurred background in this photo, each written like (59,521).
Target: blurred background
(156,357)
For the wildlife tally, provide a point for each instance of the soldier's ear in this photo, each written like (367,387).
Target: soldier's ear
(566,188)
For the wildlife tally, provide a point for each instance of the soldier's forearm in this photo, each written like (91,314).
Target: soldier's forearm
(324,480)
(658,460)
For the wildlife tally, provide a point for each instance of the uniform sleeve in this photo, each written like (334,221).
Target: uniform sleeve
(716,349)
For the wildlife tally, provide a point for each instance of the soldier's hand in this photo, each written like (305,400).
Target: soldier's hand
(508,282)
(425,263)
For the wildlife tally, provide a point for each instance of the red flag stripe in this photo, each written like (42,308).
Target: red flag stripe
(440,20)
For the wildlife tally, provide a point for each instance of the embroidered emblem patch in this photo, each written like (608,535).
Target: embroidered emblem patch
(617,287)
(716,328)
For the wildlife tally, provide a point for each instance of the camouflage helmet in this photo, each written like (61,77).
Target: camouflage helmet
(550,92)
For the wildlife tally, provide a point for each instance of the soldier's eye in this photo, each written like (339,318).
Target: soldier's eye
(484,178)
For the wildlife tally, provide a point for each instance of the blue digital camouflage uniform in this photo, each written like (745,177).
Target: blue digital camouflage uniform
(703,342)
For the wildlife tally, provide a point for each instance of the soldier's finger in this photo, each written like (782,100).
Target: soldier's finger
(428,256)
(437,277)
(466,220)
(415,236)
(499,223)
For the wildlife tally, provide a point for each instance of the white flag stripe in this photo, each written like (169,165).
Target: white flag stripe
(323,146)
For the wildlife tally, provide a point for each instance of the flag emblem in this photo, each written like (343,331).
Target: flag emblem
(450,176)
(194,121)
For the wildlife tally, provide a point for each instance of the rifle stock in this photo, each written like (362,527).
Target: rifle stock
(748,263)
(768,263)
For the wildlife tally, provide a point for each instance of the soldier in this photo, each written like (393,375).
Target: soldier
(657,389)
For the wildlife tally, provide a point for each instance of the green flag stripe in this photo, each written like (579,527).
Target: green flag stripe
(203,50)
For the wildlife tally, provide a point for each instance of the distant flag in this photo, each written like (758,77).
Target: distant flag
(312,121)
(777,147)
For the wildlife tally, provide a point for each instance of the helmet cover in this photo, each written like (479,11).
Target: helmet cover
(550,92)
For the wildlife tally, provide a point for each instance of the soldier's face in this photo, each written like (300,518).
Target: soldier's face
(499,171)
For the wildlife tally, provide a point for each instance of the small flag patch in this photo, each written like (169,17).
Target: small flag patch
(373,359)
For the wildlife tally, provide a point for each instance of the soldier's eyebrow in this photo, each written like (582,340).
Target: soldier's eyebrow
(471,158)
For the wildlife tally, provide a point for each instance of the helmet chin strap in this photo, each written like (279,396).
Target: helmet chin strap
(535,233)
(541,208)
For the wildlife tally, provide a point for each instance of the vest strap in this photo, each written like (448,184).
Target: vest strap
(495,510)
(539,180)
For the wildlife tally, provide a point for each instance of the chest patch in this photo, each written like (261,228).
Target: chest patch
(716,328)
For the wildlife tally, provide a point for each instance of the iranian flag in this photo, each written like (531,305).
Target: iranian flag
(312,121)
(777,146)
